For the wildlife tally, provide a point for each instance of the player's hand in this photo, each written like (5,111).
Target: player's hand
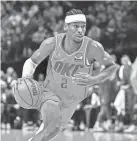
(18,81)
(83,79)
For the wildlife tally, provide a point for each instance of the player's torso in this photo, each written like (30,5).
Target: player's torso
(62,67)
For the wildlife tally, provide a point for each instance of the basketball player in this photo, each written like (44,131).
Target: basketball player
(69,73)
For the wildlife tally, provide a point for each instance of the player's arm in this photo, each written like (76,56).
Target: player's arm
(98,53)
(45,49)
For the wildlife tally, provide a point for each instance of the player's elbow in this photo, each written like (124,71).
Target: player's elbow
(114,68)
(111,68)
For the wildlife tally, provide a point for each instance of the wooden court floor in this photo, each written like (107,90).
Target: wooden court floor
(18,135)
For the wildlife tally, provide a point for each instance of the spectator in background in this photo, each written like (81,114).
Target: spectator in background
(107,93)
(94,32)
(9,76)
(133,78)
(108,35)
(3,86)
(87,108)
(123,101)
(10,107)
(59,27)
(38,37)
(125,70)
(79,117)
(107,16)
(93,106)
(56,10)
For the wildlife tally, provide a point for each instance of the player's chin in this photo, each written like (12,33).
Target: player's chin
(78,39)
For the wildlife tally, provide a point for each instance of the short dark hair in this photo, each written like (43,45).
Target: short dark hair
(74,12)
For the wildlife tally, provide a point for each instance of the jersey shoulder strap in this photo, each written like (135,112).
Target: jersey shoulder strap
(59,39)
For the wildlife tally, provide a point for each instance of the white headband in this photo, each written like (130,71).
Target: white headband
(75,18)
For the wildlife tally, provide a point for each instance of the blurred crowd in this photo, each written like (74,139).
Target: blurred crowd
(26,23)
(111,105)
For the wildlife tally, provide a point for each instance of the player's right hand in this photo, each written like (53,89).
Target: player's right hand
(18,81)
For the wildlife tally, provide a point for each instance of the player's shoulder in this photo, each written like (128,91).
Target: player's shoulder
(48,44)
(95,45)
(50,40)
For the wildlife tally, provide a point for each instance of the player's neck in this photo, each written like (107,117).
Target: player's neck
(71,46)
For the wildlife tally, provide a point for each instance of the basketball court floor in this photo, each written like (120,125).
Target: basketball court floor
(18,135)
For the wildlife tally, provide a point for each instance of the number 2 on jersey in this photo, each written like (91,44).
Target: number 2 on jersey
(64,83)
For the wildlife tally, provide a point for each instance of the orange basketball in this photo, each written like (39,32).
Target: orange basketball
(27,93)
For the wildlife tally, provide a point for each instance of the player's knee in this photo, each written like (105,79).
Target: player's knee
(50,111)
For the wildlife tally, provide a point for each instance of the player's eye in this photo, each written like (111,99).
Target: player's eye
(83,26)
(75,26)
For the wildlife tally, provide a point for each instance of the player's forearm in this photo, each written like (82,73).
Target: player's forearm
(105,74)
(29,68)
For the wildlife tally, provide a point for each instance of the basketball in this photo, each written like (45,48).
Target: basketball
(27,93)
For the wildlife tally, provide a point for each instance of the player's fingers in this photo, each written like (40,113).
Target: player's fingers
(77,76)
(80,83)
(76,79)
(81,75)
(84,79)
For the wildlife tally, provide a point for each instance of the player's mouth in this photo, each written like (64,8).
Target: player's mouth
(79,36)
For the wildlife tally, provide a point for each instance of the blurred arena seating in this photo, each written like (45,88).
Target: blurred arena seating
(25,24)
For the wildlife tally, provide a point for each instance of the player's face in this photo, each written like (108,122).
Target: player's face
(76,31)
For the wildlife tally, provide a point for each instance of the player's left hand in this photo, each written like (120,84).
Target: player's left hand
(83,79)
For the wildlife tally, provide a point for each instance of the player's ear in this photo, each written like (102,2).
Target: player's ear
(65,27)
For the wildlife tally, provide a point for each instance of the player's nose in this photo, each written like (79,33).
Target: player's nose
(80,29)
